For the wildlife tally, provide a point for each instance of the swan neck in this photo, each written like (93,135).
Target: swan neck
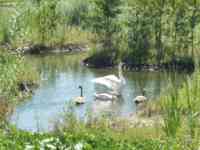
(120,74)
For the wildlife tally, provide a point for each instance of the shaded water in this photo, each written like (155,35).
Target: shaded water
(60,77)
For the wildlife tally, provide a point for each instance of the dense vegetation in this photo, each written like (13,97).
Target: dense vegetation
(14,70)
(137,32)
(15,76)
(151,31)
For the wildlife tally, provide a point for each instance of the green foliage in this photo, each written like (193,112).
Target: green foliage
(153,31)
(148,31)
(75,12)
(139,36)
(5,35)
(13,70)
(104,14)
(104,23)
(43,22)
(172,115)
(86,139)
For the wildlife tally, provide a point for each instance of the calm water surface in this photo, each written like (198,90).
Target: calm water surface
(60,77)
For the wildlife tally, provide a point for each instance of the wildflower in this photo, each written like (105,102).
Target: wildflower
(46,140)
(78,146)
(29,147)
(50,146)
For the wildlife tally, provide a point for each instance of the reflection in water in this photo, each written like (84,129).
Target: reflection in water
(60,77)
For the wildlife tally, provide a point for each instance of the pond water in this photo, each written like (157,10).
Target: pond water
(60,77)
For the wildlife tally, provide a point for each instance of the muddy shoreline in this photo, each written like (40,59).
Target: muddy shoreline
(42,49)
(174,65)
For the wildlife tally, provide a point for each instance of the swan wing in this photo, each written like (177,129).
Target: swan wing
(102,81)
(104,96)
(109,81)
(113,78)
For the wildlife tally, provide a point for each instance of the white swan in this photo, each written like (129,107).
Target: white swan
(80,100)
(112,82)
(105,96)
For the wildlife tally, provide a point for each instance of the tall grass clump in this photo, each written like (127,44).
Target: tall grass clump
(48,22)
(5,24)
(14,71)
(75,12)
(180,109)
(172,117)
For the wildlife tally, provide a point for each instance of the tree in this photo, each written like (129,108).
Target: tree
(158,24)
(194,19)
(104,24)
(139,34)
(47,19)
(104,15)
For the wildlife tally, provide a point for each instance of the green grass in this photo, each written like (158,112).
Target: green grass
(180,111)
(90,139)
(14,70)
(187,96)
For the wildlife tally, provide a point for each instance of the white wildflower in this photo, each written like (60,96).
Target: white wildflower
(29,147)
(78,146)
(46,141)
(50,146)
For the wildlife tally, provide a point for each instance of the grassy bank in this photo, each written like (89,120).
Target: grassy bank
(15,74)
(185,97)
(97,139)
(51,24)
(179,111)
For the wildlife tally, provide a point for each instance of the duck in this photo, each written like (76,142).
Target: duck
(141,98)
(80,99)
